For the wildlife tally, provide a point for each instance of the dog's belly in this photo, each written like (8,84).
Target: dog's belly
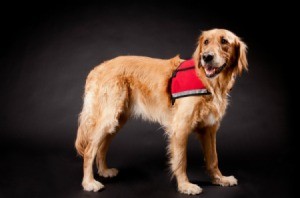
(150,109)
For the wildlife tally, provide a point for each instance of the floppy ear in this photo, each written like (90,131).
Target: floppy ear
(241,52)
(197,52)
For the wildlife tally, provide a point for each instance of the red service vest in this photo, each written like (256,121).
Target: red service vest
(185,82)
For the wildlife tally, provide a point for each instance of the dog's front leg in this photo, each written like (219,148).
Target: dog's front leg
(177,150)
(207,137)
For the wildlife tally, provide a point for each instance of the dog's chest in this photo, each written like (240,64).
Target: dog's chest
(210,119)
(215,111)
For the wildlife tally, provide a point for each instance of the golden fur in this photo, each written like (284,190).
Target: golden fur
(138,86)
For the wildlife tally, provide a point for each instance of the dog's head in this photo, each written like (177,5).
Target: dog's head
(219,49)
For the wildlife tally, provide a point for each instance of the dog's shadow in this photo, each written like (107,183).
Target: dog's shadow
(126,175)
(132,175)
(202,183)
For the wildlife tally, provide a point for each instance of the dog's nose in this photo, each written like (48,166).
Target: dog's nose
(208,56)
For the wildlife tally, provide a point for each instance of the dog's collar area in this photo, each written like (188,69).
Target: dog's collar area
(185,82)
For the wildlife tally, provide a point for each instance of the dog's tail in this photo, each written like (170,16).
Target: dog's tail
(86,123)
(86,126)
(81,141)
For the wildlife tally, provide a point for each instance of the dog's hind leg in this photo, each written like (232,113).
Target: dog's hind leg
(88,182)
(103,170)
(116,117)
(113,99)
(100,140)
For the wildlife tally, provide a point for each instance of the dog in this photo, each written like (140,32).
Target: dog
(140,86)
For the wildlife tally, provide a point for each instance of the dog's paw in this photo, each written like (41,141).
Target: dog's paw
(110,172)
(92,185)
(225,181)
(189,188)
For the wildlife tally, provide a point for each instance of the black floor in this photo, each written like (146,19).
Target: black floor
(34,170)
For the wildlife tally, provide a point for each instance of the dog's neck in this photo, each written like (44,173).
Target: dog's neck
(219,85)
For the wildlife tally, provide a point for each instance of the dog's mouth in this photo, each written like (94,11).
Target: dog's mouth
(211,71)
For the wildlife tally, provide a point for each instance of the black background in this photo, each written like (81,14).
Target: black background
(47,51)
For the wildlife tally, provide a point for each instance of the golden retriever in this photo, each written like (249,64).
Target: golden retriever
(139,86)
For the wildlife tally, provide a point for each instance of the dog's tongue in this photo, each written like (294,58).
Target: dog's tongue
(210,70)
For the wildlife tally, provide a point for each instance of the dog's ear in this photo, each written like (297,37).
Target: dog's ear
(241,54)
(196,55)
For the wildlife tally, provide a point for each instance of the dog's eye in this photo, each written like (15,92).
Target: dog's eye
(206,42)
(224,41)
